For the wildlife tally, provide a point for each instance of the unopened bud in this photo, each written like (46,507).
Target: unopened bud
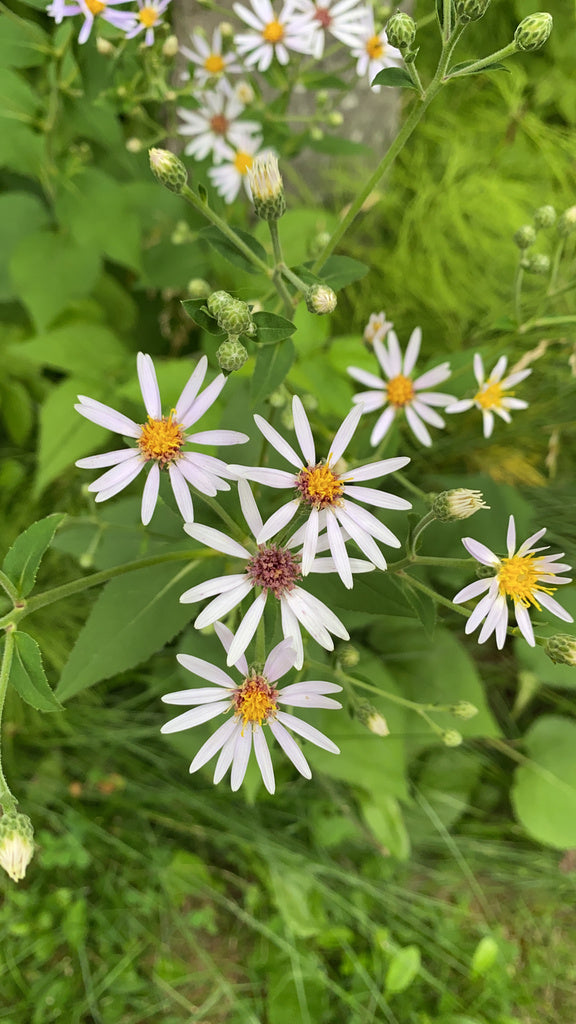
(278,398)
(320,299)
(316,134)
(231,355)
(567,221)
(463,709)
(401,30)
(217,301)
(226,30)
(451,738)
(168,169)
(318,243)
(244,93)
(537,263)
(461,503)
(182,233)
(170,46)
(369,716)
(471,10)
(267,187)
(533,31)
(16,844)
(348,656)
(335,119)
(545,217)
(525,236)
(198,288)
(561,649)
(235,317)
(134,145)
(105,47)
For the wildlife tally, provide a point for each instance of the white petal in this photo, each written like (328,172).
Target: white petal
(511,537)
(150,494)
(278,521)
(310,700)
(321,612)
(290,748)
(369,400)
(471,591)
(104,416)
(226,637)
(370,380)
(345,434)
(227,753)
(478,367)
(213,744)
(291,631)
(209,588)
(432,377)
(221,605)
(552,606)
(278,442)
(499,369)
(310,541)
(263,475)
(417,427)
(241,758)
(181,493)
(338,551)
(382,356)
(249,507)
(197,716)
(216,539)
(202,481)
(149,386)
(394,354)
(365,542)
(462,406)
(306,614)
(524,624)
(303,431)
(515,378)
(205,670)
(370,524)
(412,351)
(307,731)
(200,695)
(122,473)
(481,610)
(439,398)
(480,552)
(382,425)
(525,547)
(487,422)
(497,614)
(376,469)
(514,403)
(263,758)
(381,499)
(310,686)
(280,660)
(427,414)
(202,403)
(246,629)
(192,388)
(107,459)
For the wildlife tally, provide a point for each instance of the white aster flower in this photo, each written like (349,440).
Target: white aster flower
(272,35)
(272,569)
(161,441)
(327,494)
(215,126)
(342,19)
(373,51)
(524,576)
(229,176)
(91,9)
(254,703)
(149,16)
(493,395)
(377,327)
(398,392)
(209,58)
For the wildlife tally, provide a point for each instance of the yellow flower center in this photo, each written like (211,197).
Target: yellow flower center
(319,486)
(375,47)
(273,32)
(214,64)
(490,396)
(518,579)
(400,390)
(161,440)
(255,700)
(95,6)
(242,162)
(148,16)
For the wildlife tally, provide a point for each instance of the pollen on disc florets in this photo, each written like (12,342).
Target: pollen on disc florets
(490,395)
(518,579)
(400,390)
(161,440)
(320,486)
(274,568)
(256,700)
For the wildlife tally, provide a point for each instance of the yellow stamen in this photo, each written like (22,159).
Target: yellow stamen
(255,700)
(148,16)
(95,6)
(242,162)
(518,579)
(214,64)
(375,47)
(490,395)
(161,440)
(273,32)
(400,390)
(320,486)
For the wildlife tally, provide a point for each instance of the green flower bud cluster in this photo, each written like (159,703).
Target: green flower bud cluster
(544,217)
(16,844)
(320,299)
(525,236)
(561,649)
(533,31)
(168,170)
(231,355)
(464,710)
(537,263)
(234,317)
(567,221)
(471,10)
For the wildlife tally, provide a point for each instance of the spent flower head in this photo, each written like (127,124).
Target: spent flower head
(494,395)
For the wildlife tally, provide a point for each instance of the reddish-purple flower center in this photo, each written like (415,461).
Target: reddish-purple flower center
(323,17)
(274,569)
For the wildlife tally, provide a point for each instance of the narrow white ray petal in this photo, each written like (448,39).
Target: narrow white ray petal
(218,437)
(263,475)
(202,403)
(433,377)
(524,624)
(181,493)
(549,578)
(195,717)
(369,400)
(221,605)
(478,367)
(213,744)
(241,758)
(307,731)
(278,442)
(311,700)
(249,507)
(376,469)
(307,615)
(345,434)
(150,494)
(370,524)
(487,423)
(122,473)
(365,542)
(462,406)
(133,469)
(338,551)
(502,626)
(496,616)
(480,611)
(209,588)
(382,425)
(514,403)
(246,629)
(370,380)
(322,613)
(204,482)
(191,388)
(499,369)
(290,748)
(417,427)
(310,541)
(394,354)
(107,459)
(149,386)
(381,499)
(216,539)
(412,351)
(263,758)
(201,695)
(525,547)
(303,432)
(552,606)
(205,670)
(515,378)
(104,416)
(480,552)
(427,414)
(511,537)
(227,753)
(471,591)
(439,398)
(381,353)
(284,515)
(309,686)
(280,660)
(502,413)
(212,465)
(226,637)
(291,631)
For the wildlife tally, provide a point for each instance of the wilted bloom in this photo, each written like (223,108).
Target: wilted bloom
(377,327)
(398,392)
(461,503)
(251,705)
(272,35)
(209,58)
(215,126)
(16,844)
(161,442)
(147,19)
(373,51)
(493,395)
(524,575)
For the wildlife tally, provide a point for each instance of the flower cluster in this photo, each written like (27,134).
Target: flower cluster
(146,18)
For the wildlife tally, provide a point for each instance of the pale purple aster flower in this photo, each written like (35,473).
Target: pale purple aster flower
(91,9)
(373,51)
(343,19)
(271,569)
(524,576)
(215,127)
(161,441)
(209,58)
(149,16)
(272,35)
(493,395)
(398,392)
(254,703)
(328,494)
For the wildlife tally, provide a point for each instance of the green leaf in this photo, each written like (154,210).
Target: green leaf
(484,957)
(16,409)
(86,349)
(336,145)
(24,557)
(398,78)
(17,99)
(296,897)
(339,271)
(134,616)
(97,213)
(496,66)
(64,435)
(385,820)
(21,149)
(321,80)
(196,309)
(272,328)
(21,213)
(423,605)
(272,364)
(544,792)
(21,43)
(49,271)
(28,677)
(403,969)
(224,247)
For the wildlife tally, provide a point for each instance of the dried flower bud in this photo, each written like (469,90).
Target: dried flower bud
(461,503)
(545,217)
(561,649)
(471,10)
(533,31)
(369,716)
(168,170)
(537,263)
(231,355)
(170,46)
(267,187)
(451,738)
(198,288)
(401,30)
(567,221)
(16,844)
(320,299)
(525,236)
(464,710)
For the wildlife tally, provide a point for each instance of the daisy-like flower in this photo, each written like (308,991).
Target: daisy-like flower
(272,35)
(272,570)
(327,494)
(493,395)
(209,59)
(373,51)
(230,175)
(161,441)
(524,575)
(254,703)
(398,392)
(91,9)
(149,16)
(342,19)
(215,126)
(377,327)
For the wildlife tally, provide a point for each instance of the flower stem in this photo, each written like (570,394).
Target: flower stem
(226,230)
(518,292)
(555,266)
(545,322)
(9,587)
(484,62)
(414,582)
(418,530)
(7,801)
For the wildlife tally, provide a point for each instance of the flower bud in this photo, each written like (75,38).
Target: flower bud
(217,301)
(267,187)
(545,217)
(134,145)
(460,503)
(537,263)
(369,716)
(561,649)
(533,31)
(464,710)
(182,233)
(471,10)
(278,398)
(316,134)
(231,355)
(168,169)
(567,221)
(348,655)
(244,93)
(320,299)
(16,844)
(401,30)
(451,738)
(105,47)
(318,243)
(170,46)
(235,317)
(525,236)
(226,30)
(335,119)
(198,288)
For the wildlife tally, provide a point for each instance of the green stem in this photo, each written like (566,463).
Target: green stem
(293,278)
(407,483)
(446,20)
(418,530)
(414,560)
(478,65)
(556,266)
(6,799)
(9,587)
(278,265)
(545,322)
(414,582)
(518,293)
(226,230)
